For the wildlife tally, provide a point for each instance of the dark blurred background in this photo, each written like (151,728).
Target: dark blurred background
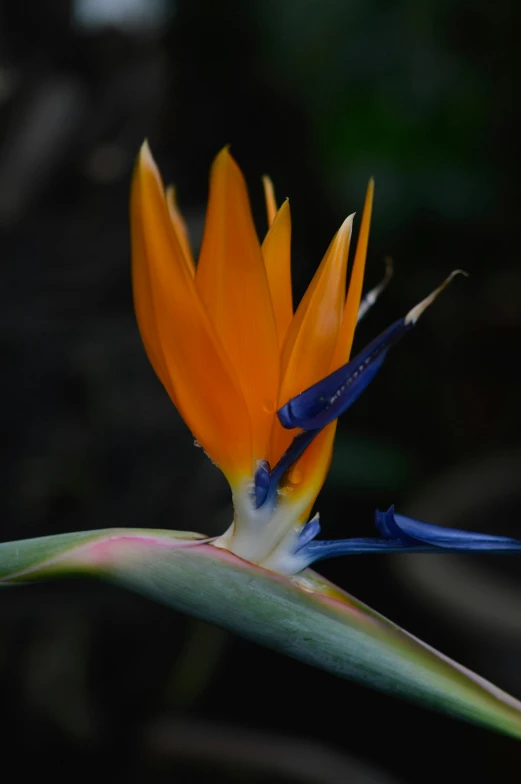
(423,95)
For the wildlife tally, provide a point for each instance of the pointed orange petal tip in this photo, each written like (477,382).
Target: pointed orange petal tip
(224,155)
(146,163)
(313,332)
(141,286)
(276,250)
(347,226)
(145,155)
(311,340)
(354,294)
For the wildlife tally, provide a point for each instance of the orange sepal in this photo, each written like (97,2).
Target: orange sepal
(312,468)
(354,294)
(232,282)
(276,250)
(314,463)
(142,293)
(177,330)
(313,333)
(178,222)
(312,336)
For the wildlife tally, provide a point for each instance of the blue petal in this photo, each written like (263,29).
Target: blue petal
(319,405)
(402,534)
(261,482)
(297,448)
(310,530)
(388,527)
(413,531)
(316,407)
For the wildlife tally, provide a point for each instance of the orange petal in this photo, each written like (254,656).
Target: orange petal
(178,332)
(143,304)
(313,333)
(312,336)
(276,250)
(314,463)
(269,196)
(232,282)
(354,295)
(180,229)
(310,472)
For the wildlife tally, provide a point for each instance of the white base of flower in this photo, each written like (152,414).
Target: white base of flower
(267,536)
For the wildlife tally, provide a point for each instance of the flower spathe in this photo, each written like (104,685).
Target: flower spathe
(259,385)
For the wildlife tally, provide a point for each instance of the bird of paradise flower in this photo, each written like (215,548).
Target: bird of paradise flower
(261,388)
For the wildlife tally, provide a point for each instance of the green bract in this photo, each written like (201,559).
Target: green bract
(305,617)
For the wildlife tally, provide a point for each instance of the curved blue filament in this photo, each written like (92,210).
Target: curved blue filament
(318,550)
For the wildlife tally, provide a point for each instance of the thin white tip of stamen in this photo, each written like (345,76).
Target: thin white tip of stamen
(414,314)
(371,297)
(389,271)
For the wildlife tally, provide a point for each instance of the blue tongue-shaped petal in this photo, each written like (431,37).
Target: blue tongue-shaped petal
(409,532)
(317,406)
